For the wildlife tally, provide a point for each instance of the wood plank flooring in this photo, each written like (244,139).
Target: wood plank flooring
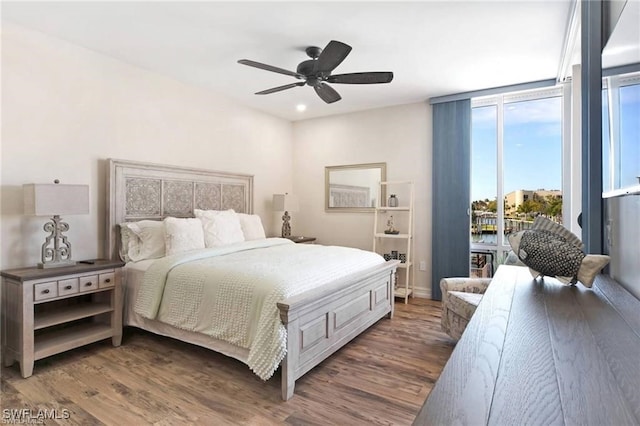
(381,377)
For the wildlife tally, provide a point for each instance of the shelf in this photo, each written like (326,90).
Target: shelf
(397,209)
(61,340)
(85,310)
(397,182)
(400,242)
(402,292)
(630,190)
(383,235)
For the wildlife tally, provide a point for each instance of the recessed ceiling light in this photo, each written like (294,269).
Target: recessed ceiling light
(301,107)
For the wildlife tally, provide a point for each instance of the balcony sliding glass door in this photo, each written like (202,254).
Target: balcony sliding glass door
(516,157)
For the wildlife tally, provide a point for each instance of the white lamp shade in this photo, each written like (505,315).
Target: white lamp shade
(285,202)
(55,199)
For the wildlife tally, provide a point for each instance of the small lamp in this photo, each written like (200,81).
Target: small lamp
(285,202)
(54,200)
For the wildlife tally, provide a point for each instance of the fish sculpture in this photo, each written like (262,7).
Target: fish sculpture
(549,254)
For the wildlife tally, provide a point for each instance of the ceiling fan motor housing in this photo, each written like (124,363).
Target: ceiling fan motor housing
(306,68)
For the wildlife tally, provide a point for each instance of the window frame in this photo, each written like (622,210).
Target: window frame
(500,100)
(611,185)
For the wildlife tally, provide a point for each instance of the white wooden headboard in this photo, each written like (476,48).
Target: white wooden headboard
(139,191)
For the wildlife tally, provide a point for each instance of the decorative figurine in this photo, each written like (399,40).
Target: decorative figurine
(286,225)
(390,228)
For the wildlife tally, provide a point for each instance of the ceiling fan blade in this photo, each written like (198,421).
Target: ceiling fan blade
(269,68)
(280,88)
(332,56)
(362,78)
(326,93)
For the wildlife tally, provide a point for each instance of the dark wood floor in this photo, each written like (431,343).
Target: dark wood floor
(381,377)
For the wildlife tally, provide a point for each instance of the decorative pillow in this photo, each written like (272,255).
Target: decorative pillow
(183,235)
(549,254)
(252,228)
(221,227)
(145,239)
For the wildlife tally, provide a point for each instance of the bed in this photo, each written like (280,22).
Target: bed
(319,307)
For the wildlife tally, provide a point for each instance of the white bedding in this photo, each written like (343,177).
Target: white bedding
(230,293)
(133,277)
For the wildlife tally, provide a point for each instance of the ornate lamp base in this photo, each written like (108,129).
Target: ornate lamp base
(286,226)
(54,264)
(60,254)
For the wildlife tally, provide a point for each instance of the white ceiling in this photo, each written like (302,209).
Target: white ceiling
(623,47)
(433,48)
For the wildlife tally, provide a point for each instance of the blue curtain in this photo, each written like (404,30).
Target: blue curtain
(451,192)
(591,78)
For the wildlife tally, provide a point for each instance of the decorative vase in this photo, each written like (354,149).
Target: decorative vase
(393,201)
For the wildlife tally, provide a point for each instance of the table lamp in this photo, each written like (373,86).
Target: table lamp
(54,200)
(285,202)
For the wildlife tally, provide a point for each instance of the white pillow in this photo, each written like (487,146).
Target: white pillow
(128,242)
(220,227)
(251,227)
(183,235)
(146,240)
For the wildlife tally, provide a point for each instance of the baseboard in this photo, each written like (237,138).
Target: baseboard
(422,293)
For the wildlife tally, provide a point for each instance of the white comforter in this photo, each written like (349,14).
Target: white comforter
(231,292)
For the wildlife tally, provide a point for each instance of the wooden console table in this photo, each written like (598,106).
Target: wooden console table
(540,352)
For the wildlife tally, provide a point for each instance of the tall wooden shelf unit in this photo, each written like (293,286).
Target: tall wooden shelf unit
(382,241)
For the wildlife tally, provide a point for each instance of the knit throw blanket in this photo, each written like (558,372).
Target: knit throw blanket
(230,292)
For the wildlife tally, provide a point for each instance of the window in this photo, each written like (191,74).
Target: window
(621,132)
(516,157)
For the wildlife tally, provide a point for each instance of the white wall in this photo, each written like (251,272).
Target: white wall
(623,241)
(399,136)
(65,110)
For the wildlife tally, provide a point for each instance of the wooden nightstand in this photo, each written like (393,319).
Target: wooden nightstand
(48,311)
(303,240)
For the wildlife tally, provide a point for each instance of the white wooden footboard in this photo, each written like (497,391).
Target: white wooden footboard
(321,322)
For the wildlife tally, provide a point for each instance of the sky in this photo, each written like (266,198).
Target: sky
(533,145)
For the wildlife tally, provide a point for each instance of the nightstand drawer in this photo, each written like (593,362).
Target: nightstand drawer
(88,283)
(44,291)
(107,280)
(66,287)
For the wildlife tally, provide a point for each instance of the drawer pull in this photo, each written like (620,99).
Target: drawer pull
(108,280)
(68,287)
(45,291)
(88,284)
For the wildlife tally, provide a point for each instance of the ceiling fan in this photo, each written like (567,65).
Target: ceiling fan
(316,72)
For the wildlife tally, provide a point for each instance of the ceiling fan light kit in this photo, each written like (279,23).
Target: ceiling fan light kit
(316,72)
